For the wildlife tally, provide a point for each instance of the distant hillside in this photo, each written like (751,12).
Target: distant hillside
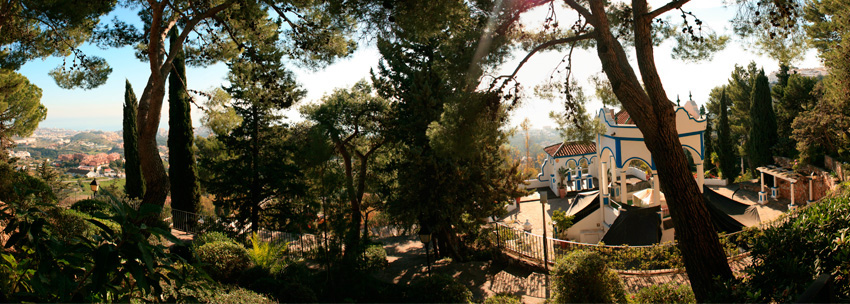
(537,139)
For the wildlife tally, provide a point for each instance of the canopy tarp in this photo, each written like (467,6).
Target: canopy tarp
(729,215)
(635,227)
(583,204)
(644,197)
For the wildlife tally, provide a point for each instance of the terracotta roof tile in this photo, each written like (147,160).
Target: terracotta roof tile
(623,118)
(570,149)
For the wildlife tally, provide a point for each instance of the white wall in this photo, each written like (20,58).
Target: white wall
(588,223)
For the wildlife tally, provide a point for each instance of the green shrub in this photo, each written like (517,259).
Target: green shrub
(91,206)
(375,258)
(582,277)
(223,261)
(661,256)
(665,293)
(503,299)
(266,255)
(812,242)
(251,275)
(439,288)
(211,237)
(285,291)
(225,295)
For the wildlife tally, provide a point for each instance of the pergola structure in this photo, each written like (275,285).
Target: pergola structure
(778,173)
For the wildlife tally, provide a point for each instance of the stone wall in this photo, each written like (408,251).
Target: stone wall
(822,181)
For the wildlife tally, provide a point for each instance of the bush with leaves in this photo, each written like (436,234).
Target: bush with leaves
(223,261)
(210,237)
(583,277)
(790,256)
(503,299)
(665,293)
(110,265)
(91,206)
(375,258)
(266,255)
(439,288)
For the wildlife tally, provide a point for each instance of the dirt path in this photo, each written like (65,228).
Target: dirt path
(406,256)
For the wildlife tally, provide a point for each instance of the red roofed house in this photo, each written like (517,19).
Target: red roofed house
(578,158)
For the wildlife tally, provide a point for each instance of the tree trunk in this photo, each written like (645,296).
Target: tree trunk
(655,117)
(153,171)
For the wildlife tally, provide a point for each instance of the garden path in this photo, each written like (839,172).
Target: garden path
(406,256)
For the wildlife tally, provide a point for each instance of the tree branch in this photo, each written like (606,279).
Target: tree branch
(545,45)
(582,11)
(669,6)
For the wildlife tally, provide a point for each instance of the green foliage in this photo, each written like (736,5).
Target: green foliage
(253,163)
(793,94)
(91,206)
(108,262)
(813,241)
(439,288)
(662,256)
(266,255)
(210,237)
(285,291)
(725,147)
(20,108)
(38,29)
(182,170)
(375,258)
(577,124)
(665,293)
(583,277)
(135,186)
(563,222)
(353,120)
(223,261)
(503,299)
(762,124)
(18,186)
(234,295)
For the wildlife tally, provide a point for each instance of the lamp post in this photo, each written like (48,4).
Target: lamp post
(544,199)
(94,187)
(425,237)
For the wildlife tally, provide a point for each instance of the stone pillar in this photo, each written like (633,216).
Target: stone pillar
(700,177)
(623,186)
(762,193)
(792,206)
(656,192)
(774,191)
(811,192)
(603,178)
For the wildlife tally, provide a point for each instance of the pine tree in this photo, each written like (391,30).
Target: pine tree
(725,147)
(763,124)
(135,186)
(182,172)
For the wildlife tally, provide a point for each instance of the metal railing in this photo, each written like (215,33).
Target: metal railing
(530,246)
(188,222)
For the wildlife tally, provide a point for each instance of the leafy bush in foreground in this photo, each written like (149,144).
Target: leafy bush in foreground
(503,299)
(583,277)
(789,257)
(116,263)
(665,293)
(375,258)
(439,288)
(223,261)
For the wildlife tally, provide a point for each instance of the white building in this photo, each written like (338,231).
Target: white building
(606,162)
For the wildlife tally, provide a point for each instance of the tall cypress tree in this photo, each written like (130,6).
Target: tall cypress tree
(135,186)
(725,147)
(762,124)
(182,172)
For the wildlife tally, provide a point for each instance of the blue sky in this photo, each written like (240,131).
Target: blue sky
(100,108)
